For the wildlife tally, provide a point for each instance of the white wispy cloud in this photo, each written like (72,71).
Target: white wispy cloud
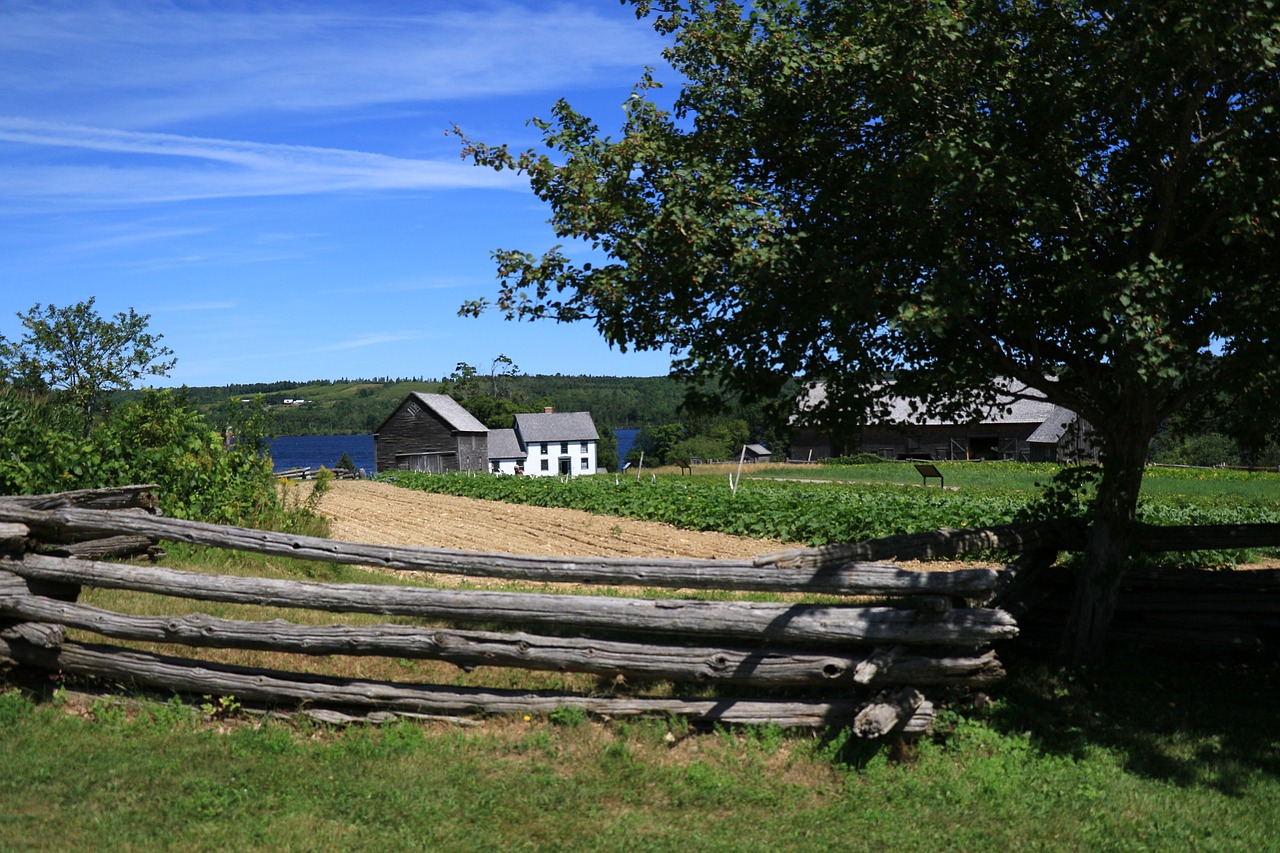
(412,285)
(129,63)
(137,237)
(373,340)
(175,168)
(292,356)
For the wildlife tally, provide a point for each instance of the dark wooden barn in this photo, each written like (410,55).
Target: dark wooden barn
(433,433)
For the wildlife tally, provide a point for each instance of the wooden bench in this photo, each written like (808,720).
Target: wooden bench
(930,471)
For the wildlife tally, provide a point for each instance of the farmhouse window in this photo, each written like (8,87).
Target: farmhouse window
(546,465)
(564,447)
(585,464)
(544,453)
(583,447)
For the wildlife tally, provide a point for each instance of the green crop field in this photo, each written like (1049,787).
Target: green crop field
(817,506)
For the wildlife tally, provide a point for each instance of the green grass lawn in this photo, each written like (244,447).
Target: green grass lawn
(1218,483)
(1143,753)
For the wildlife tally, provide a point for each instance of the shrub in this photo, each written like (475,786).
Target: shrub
(856,459)
(156,439)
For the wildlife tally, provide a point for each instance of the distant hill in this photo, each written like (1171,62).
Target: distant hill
(359,405)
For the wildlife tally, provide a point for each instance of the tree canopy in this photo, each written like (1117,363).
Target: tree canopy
(1082,196)
(81,355)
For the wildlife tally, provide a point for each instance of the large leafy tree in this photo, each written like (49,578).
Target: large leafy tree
(81,356)
(1079,195)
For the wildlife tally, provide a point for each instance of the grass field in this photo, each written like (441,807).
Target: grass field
(1143,753)
(1018,476)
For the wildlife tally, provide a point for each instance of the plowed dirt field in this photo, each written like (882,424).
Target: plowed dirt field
(362,511)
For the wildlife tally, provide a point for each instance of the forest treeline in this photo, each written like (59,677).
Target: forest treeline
(654,405)
(360,405)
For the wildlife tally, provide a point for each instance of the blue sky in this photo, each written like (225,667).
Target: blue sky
(271,181)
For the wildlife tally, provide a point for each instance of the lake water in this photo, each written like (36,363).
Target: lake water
(626,438)
(312,451)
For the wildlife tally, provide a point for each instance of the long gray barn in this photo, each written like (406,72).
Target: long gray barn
(431,433)
(1023,427)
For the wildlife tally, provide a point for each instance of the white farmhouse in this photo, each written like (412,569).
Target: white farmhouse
(505,452)
(546,444)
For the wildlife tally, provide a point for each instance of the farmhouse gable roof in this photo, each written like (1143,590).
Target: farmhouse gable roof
(555,426)
(505,444)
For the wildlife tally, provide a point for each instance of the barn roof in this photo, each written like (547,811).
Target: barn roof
(458,418)
(504,444)
(556,426)
(1054,427)
(446,408)
(1007,410)
(1018,405)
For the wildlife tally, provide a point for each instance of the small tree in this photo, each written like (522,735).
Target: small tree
(607,450)
(81,357)
(346,463)
(500,373)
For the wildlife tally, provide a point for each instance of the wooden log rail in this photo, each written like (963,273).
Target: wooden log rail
(1208,610)
(271,687)
(811,570)
(804,623)
(875,658)
(775,667)
(1207,537)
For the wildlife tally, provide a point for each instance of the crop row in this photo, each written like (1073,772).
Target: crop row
(813,514)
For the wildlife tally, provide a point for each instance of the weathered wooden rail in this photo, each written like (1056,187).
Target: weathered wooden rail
(311,474)
(870,662)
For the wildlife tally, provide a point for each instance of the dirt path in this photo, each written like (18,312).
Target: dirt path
(362,511)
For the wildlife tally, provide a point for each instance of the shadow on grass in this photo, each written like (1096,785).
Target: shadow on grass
(1185,718)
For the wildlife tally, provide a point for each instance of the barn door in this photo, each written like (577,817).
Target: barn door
(423,463)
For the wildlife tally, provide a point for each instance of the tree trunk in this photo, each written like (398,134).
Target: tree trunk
(1111,533)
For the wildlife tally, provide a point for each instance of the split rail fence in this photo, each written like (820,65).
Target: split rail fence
(871,664)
